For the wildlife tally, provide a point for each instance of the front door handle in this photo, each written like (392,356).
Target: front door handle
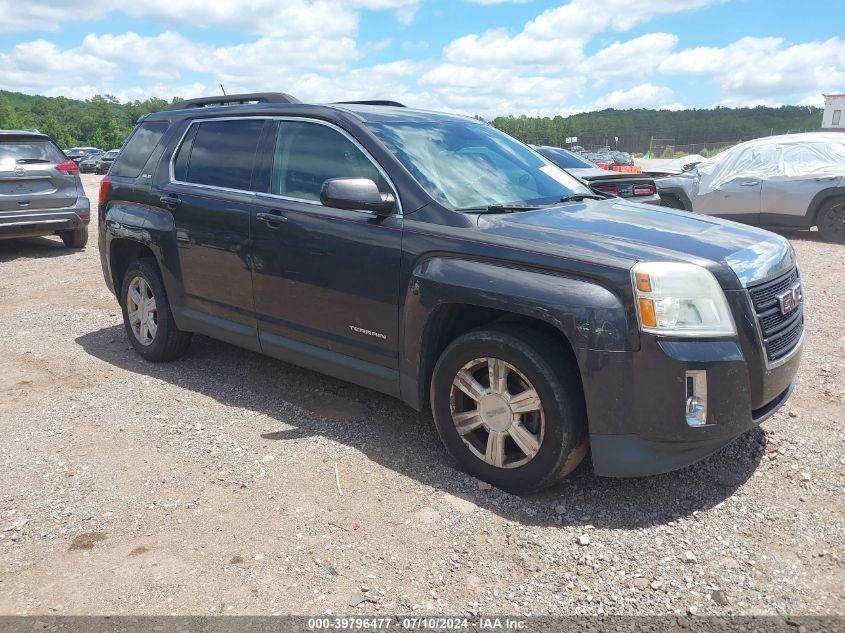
(750,183)
(171,201)
(273,220)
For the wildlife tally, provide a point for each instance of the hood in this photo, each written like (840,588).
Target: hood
(623,233)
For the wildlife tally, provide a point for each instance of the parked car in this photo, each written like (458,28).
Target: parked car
(78,154)
(791,181)
(105,161)
(577,149)
(636,187)
(674,167)
(40,190)
(623,159)
(88,164)
(436,259)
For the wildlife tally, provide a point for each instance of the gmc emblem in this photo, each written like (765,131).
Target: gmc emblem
(790,299)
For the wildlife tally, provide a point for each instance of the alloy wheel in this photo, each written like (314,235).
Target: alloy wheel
(833,221)
(142,311)
(497,412)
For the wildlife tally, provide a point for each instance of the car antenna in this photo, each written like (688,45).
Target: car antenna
(222,88)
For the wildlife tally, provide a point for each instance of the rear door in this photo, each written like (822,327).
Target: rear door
(210,197)
(30,178)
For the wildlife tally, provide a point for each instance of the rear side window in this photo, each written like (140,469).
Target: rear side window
(22,151)
(308,154)
(221,155)
(137,151)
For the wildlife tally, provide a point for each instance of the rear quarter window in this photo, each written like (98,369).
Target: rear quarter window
(221,155)
(139,148)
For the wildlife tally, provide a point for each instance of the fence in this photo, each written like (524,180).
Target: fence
(666,148)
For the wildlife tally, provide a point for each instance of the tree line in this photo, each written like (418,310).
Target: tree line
(104,122)
(101,121)
(636,128)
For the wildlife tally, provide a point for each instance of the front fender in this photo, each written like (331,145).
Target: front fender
(589,315)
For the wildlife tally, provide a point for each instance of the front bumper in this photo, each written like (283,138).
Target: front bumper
(34,222)
(636,401)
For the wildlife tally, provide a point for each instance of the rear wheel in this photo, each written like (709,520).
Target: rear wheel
(77,238)
(831,221)
(508,406)
(147,316)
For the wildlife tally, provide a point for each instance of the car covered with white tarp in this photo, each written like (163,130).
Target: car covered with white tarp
(789,181)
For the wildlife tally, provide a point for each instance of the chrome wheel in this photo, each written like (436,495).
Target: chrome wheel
(141,308)
(497,412)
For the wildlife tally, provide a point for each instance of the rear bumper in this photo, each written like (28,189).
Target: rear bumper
(33,222)
(655,199)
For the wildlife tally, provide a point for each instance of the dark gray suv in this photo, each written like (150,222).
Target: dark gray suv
(40,190)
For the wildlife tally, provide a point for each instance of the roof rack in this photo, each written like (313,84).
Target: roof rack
(374,102)
(223,100)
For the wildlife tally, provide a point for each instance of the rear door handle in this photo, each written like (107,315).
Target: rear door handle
(273,220)
(171,201)
(750,183)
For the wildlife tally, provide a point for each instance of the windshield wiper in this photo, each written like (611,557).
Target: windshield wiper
(502,208)
(30,161)
(578,197)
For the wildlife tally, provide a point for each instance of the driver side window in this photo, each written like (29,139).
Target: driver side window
(307,154)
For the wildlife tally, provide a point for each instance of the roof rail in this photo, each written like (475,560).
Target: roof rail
(223,100)
(375,102)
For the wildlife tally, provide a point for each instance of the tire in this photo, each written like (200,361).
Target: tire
(673,202)
(77,238)
(557,429)
(831,221)
(164,341)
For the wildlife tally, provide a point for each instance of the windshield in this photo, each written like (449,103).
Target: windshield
(110,155)
(466,165)
(565,159)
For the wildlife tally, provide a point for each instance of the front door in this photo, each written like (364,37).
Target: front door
(325,280)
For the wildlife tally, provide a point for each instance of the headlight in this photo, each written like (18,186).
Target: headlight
(676,299)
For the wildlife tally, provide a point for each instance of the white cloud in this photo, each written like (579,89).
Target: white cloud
(645,95)
(755,70)
(634,58)
(271,18)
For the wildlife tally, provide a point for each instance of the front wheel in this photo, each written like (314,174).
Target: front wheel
(147,316)
(508,405)
(831,221)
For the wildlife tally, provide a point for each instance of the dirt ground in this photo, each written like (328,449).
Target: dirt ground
(209,485)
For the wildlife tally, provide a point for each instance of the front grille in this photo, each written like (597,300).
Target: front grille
(781,332)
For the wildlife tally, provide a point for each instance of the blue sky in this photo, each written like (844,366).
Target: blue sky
(488,57)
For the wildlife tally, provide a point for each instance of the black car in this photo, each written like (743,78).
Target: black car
(636,187)
(105,160)
(436,259)
(88,164)
(78,154)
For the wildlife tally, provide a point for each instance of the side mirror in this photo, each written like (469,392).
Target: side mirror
(356,194)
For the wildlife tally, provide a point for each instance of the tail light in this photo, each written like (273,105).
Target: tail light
(643,190)
(67,167)
(104,186)
(611,189)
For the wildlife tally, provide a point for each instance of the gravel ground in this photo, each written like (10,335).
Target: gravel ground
(208,485)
